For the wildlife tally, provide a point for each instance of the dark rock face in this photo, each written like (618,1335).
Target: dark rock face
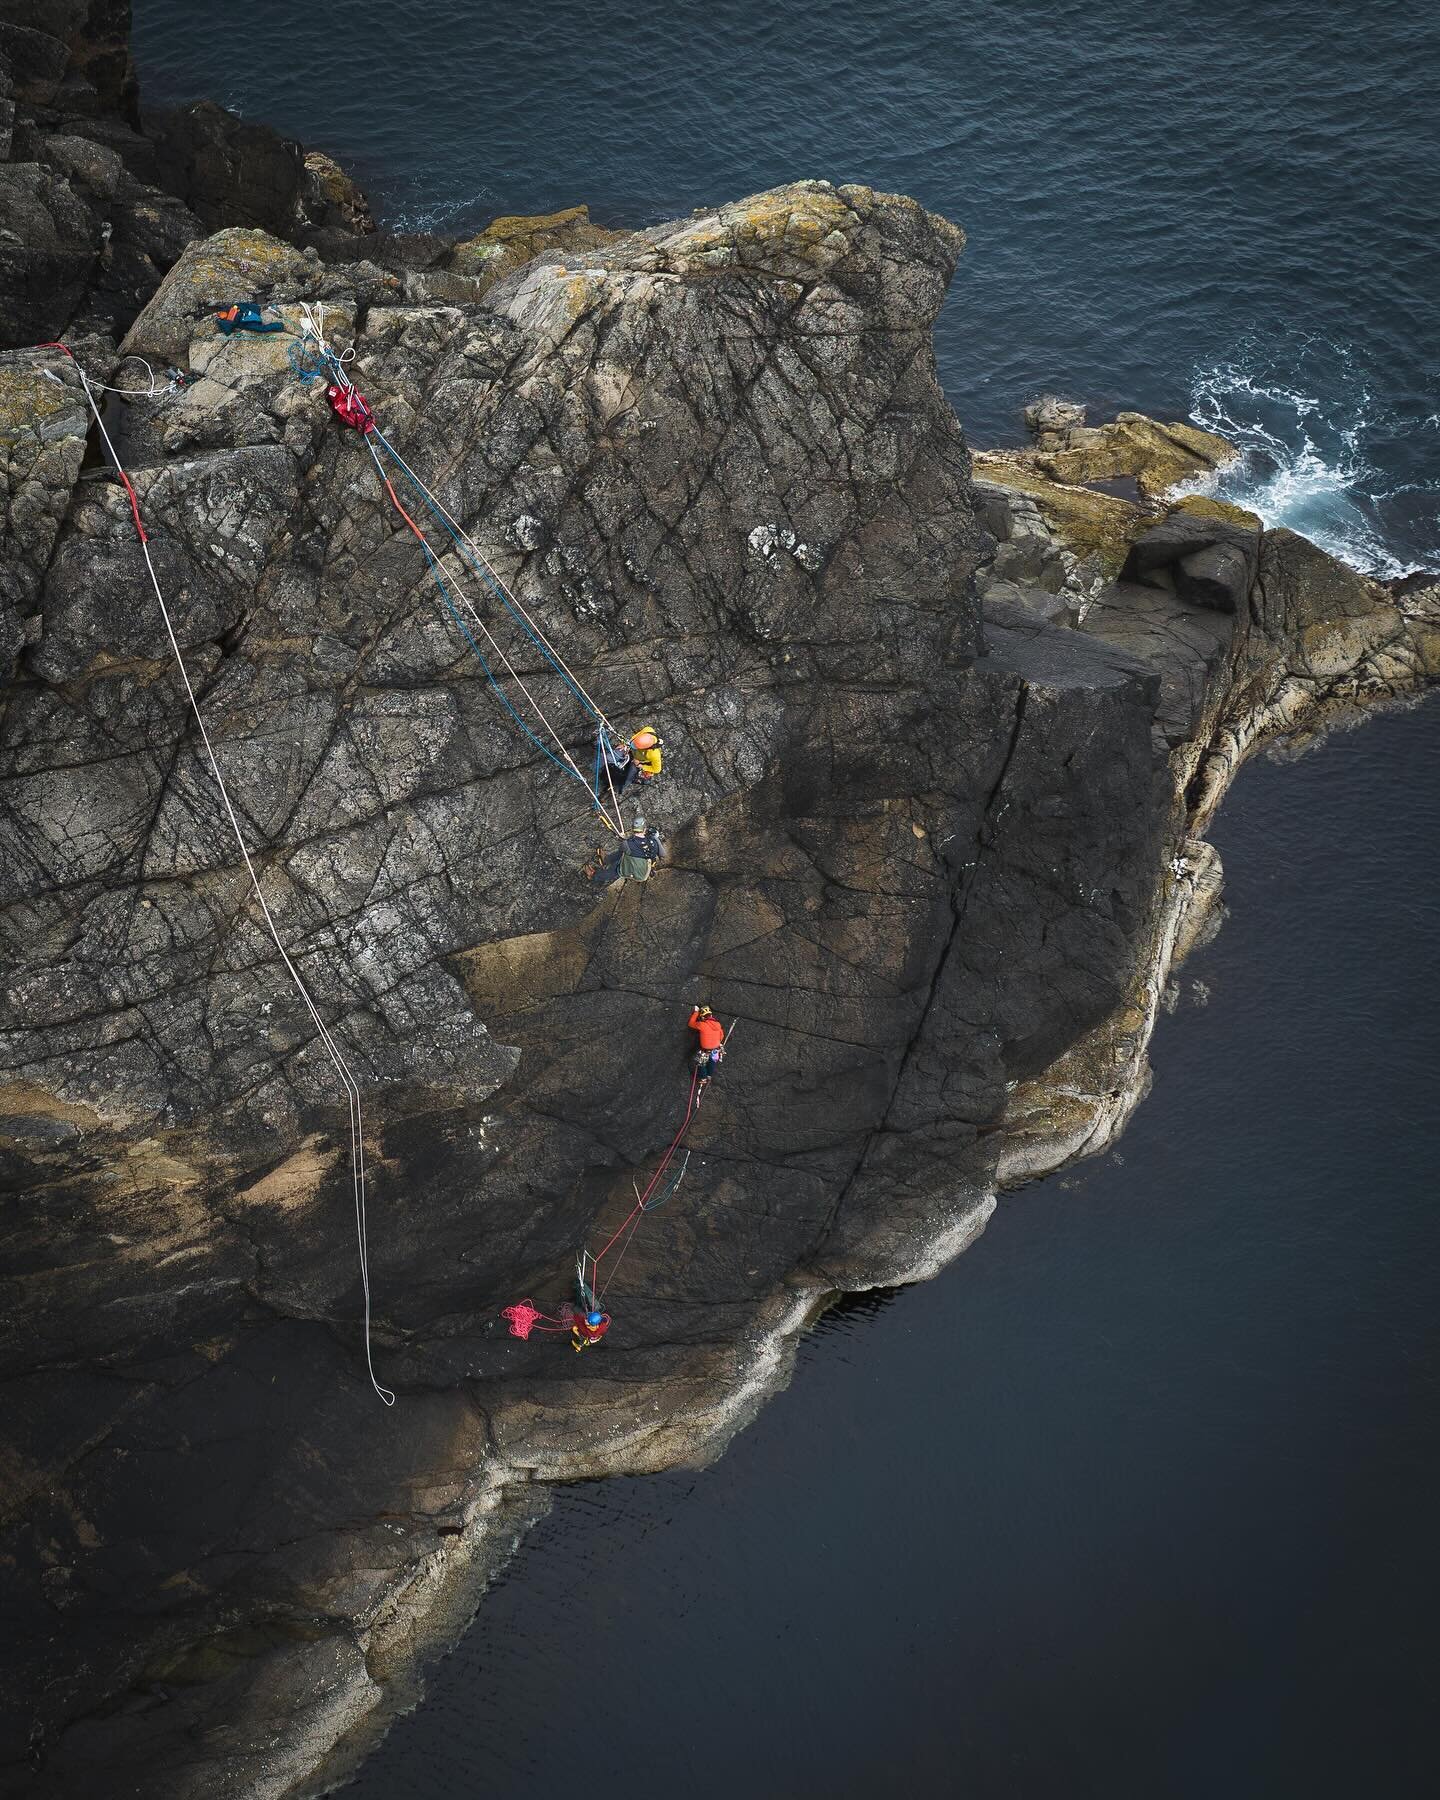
(227,171)
(1205,561)
(50,245)
(914,860)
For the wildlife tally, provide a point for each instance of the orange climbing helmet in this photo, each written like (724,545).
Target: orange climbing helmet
(646,738)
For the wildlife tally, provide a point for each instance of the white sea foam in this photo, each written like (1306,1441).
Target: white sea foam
(1304,455)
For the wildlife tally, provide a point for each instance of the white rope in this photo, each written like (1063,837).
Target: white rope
(610,782)
(454,587)
(151,392)
(502,584)
(313,324)
(352,1090)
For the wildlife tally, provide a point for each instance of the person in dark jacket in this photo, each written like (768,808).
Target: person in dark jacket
(633,858)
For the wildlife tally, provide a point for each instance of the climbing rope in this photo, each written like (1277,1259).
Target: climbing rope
(313,325)
(633,1217)
(352,1090)
(449,595)
(470,551)
(642,1208)
(648,1201)
(526,1317)
(151,391)
(316,359)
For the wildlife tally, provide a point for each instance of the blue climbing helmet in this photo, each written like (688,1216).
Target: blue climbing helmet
(593,1318)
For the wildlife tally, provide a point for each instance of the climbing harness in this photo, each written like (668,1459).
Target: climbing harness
(352,1090)
(245,315)
(707,1063)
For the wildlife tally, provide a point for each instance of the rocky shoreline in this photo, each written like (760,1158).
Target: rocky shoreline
(944,733)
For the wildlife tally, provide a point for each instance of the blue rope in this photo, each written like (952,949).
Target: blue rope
(670,1191)
(433,565)
(307,373)
(486,576)
(599,760)
(437,575)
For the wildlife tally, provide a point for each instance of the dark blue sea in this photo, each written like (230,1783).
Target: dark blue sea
(1225,211)
(1138,1499)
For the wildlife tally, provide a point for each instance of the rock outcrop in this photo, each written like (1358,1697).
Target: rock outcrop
(96,203)
(939,752)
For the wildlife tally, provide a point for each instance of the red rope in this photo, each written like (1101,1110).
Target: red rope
(639,1207)
(395,500)
(134,502)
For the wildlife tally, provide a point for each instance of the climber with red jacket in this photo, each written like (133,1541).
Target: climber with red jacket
(587,1329)
(711,1034)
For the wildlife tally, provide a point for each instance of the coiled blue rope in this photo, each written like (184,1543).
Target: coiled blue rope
(307,371)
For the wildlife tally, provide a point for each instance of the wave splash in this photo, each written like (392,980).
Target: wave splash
(1314,442)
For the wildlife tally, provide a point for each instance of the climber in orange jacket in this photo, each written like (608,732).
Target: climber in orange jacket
(712,1042)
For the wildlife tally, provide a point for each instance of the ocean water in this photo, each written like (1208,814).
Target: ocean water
(1137,1499)
(1221,210)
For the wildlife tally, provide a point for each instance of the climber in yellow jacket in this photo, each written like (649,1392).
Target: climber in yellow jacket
(643,758)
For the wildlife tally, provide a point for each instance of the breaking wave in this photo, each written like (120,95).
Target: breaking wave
(1313,445)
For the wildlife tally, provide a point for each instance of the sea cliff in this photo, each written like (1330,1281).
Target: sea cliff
(943,734)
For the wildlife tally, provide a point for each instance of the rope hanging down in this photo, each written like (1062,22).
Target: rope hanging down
(590,1265)
(352,1090)
(587,1267)
(350,406)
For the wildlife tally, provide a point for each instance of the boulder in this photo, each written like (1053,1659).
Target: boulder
(1090,523)
(507,244)
(1156,457)
(329,200)
(226,170)
(1050,419)
(73,55)
(43,427)
(1206,561)
(211,273)
(36,60)
(1210,506)
(1217,576)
